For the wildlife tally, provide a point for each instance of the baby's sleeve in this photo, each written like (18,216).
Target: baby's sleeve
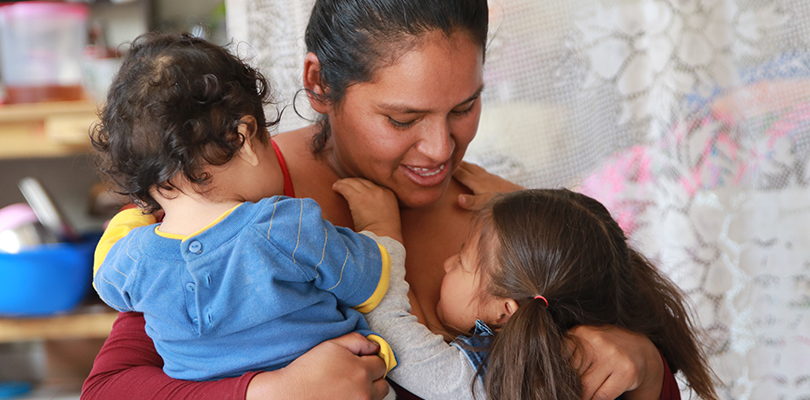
(352,266)
(113,275)
(119,226)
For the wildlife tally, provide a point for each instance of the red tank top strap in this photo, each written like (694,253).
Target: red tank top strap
(288,186)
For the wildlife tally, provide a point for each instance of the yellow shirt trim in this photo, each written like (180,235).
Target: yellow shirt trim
(205,228)
(132,218)
(382,285)
(386,352)
(119,226)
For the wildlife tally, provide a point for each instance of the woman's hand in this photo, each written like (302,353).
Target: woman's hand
(374,208)
(483,185)
(346,367)
(613,361)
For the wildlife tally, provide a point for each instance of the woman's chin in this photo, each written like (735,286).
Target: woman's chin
(420,196)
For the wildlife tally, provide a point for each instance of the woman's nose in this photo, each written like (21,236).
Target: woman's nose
(436,142)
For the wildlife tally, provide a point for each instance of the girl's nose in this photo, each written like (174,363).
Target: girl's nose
(449,263)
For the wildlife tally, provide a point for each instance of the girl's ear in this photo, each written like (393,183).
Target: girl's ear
(507,308)
(248,128)
(313,85)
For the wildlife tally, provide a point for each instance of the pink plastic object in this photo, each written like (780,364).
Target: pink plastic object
(16,215)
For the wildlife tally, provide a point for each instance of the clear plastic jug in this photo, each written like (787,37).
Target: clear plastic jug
(42,45)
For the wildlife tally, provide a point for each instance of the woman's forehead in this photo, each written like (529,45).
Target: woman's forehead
(441,71)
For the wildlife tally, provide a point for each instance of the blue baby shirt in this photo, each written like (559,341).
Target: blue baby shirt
(253,292)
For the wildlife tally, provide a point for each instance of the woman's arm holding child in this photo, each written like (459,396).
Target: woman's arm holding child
(129,368)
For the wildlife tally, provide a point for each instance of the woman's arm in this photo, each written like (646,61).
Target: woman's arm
(129,368)
(427,366)
(613,361)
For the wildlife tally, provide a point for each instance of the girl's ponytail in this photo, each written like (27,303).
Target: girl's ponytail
(567,247)
(530,359)
(662,316)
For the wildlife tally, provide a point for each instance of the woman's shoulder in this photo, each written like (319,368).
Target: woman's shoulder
(311,175)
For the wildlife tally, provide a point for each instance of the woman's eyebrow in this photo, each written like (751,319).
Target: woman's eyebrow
(403,109)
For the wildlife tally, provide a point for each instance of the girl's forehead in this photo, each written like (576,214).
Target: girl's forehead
(471,248)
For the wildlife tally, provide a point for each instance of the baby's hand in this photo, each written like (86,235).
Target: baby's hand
(374,208)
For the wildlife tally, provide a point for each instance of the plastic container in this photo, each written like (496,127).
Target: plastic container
(20,229)
(48,279)
(42,45)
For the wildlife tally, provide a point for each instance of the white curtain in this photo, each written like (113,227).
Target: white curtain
(689,119)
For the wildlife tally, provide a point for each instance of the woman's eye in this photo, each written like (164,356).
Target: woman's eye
(400,124)
(464,111)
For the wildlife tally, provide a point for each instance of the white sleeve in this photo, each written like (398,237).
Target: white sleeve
(427,366)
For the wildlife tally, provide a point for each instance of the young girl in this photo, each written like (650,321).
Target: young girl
(539,263)
(231,281)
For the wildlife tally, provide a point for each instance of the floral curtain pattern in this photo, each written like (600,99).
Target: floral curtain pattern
(689,119)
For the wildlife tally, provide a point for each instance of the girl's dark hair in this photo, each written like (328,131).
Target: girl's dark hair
(566,247)
(354,38)
(174,107)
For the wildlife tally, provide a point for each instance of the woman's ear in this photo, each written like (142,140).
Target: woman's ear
(248,128)
(313,85)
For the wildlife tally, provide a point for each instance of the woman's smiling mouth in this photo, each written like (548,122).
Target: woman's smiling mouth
(426,176)
(427,172)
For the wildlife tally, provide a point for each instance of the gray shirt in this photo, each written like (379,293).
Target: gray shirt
(427,366)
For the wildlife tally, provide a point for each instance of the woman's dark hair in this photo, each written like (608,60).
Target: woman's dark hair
(174,107)
(354,38)
(566,247)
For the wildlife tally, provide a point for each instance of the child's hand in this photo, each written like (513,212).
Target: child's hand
(483,185)
(374,208)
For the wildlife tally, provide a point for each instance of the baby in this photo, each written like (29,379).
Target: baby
(231,281)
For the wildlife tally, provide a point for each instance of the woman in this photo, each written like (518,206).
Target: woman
(398,84)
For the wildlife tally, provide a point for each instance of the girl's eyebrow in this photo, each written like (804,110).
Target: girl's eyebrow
(403,109)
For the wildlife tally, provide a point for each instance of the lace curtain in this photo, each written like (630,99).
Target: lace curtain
(689,119)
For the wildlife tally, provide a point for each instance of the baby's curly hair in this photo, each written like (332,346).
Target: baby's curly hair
(174,107)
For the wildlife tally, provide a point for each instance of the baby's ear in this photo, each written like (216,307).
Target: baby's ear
(248,129)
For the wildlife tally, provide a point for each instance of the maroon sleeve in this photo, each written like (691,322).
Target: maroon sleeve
(129,368)
(669,390)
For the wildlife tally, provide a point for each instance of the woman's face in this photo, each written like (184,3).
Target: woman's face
(408,128)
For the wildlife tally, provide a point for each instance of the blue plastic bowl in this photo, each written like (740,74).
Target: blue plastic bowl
(48,279)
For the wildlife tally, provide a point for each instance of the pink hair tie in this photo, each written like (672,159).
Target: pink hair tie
(541,298)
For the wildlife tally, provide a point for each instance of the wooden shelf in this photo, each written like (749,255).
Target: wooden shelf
(41,111)
(46,129)
(93,322)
